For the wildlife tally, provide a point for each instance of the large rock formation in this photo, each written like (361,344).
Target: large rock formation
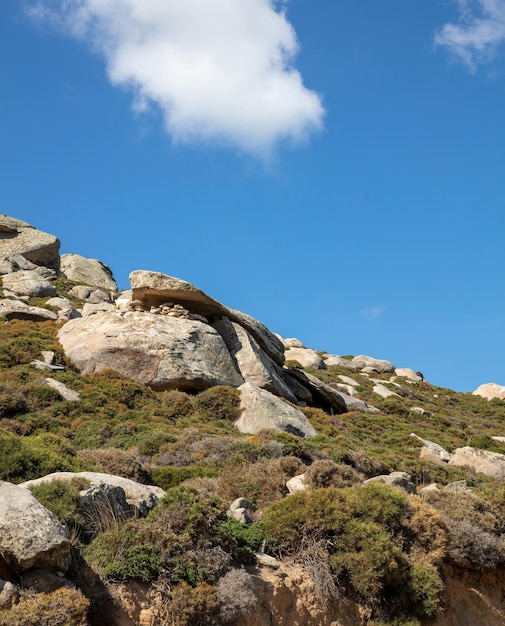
(19,237)
(30,536)
(162,352)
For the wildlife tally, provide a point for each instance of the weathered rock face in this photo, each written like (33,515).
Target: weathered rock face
(262,410)
(28,283)
(18,237)
(87,271)
(150,289)
(162,352)
(142,497)
(30,536)
(253,363)
(491,464)
(490,391)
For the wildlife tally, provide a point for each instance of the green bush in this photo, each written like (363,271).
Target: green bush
(62,498)
(127,551)
(217,403)
(370,533)
(25,458)
(167,477)
(242,541)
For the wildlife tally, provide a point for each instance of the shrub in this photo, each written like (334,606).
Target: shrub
(12,401)
(368,534)
(475,528)
(116,461)
(217,403)
(62,498)
(175,404)
(34,456)
(150,443)
(262,483)
(64,607)
(183,605)
(240,540)
(167,477)
(235,591)
(127,551)
(326,473)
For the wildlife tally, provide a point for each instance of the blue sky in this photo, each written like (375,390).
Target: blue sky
(336,170)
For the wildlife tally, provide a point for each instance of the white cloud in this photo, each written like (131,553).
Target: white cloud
(373,312)
(220,71)
(478,33)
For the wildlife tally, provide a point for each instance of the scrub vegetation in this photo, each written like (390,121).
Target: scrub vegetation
(372,543)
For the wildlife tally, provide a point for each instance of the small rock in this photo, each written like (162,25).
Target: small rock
(458,485)
(420,411)
(402,480)
(42,365)
(297,483)
(47,356)
(347,380)
(63,390)
(9,595)
(384,392)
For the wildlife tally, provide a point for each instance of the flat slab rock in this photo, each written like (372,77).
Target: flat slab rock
(30,535)
(162,352)
(15,309)
(262,410)
(154,288)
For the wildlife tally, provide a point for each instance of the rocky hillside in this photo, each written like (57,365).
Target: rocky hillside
(167,460)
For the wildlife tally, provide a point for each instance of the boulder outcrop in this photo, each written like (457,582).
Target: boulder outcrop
(490,391)
(19,237)
(30,535)
(491,464)
(162,352)
(14,309)
(306,357)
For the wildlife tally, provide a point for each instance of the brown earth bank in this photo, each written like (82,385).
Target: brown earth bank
(286,597)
